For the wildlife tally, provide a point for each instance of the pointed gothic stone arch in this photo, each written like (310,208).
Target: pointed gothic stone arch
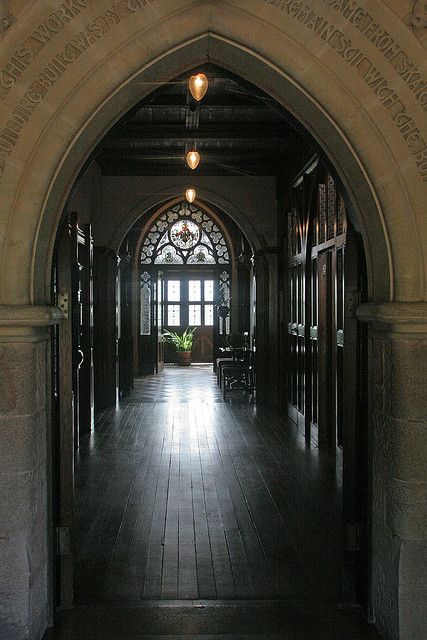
(67,78)
(95,98)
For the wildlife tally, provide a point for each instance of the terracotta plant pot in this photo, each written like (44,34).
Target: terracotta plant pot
(183,358)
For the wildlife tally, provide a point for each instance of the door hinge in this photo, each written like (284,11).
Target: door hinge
(63,541)
(352,536)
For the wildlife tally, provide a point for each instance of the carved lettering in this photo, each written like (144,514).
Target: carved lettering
(41,36)
(372,76)
(380,38)
(72,50)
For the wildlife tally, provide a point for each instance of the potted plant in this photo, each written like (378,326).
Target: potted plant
(183,344)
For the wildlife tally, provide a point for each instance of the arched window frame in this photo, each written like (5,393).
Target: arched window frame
(161,246)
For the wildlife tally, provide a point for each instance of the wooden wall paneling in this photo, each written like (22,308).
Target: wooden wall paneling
(65,438)
(261,328)
(326,389)
(126,336)
(354,432)
(75,319)
(310,217)
(297,248)
(86,376)
(105,329)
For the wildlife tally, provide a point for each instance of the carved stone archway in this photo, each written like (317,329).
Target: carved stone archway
(352,74)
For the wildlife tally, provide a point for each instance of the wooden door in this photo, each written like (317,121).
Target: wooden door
(64,432)
(326,348)
(296,373)
(189,302)
(126,353)
(85,331)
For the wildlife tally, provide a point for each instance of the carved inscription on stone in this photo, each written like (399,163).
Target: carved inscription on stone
(298,10)
(375,79)
(70,52)
(57,19)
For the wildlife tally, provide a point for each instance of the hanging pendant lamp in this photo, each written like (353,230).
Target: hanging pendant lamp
(193,159)
(190,195)
(198,85)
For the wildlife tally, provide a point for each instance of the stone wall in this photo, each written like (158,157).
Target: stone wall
(25,543)
(398,417)
(114,203)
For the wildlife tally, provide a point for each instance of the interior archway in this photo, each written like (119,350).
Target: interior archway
(272,81)
(334,102)
(142,248)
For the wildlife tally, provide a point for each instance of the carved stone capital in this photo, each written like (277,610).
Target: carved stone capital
(400,317)
(27,322)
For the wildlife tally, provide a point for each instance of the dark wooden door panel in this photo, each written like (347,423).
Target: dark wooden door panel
(65,438)
(203,345)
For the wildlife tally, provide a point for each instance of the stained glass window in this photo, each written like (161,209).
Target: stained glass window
(145,311)
(184,235)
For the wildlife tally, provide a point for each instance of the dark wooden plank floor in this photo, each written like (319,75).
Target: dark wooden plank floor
(231,620)
(180,496)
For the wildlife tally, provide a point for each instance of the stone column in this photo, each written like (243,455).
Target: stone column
(398,378)
(24,504)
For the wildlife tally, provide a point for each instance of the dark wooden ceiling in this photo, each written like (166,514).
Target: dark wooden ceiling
(236,129)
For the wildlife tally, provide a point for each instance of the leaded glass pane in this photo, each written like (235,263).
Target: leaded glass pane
(185,234)
(201,255)
(174,315)
(209,290)
(194,315)
(145,311)
(168,255)
(209,315)
(174,290)
(194,290)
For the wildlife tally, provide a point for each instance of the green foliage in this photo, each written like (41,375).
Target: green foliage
(182,342)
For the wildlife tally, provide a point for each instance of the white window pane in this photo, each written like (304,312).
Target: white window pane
(174,290)
(209,315)
(173,315)
(194,315)
(194,290)
(209,290)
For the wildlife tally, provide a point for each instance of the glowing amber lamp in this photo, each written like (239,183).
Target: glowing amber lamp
(190,195)
(198,85)
(193,159)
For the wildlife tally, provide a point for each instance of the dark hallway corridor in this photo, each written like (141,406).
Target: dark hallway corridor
(199,518)
(182,496)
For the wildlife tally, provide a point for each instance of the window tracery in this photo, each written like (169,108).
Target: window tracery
(184,235)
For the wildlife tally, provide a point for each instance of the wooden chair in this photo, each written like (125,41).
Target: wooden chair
(238,375)
(220,362)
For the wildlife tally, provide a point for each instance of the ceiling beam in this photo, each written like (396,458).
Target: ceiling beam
(206,132)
